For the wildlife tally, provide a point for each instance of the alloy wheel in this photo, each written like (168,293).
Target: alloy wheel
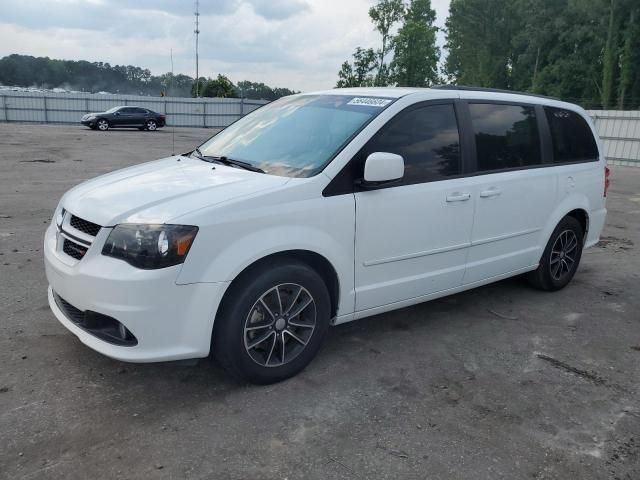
(563,254)
(151,125)
(103,125)
(280,325)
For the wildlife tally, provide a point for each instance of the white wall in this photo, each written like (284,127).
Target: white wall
(68,108)
(620,133)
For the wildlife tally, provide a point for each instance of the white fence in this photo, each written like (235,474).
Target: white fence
(619,130)
(620,133)
(68,108)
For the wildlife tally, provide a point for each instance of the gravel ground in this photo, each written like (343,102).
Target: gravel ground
(498,382)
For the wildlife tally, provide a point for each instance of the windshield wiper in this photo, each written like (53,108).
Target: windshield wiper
(200,155)
(232,162)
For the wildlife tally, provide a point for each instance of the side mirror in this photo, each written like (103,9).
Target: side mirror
(382,168)
(117,113)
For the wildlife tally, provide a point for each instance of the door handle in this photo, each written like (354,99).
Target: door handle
(491,192)
(458,197)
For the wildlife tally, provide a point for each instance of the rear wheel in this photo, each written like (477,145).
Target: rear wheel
(151,125)
(102,124)
(272,322)
(561,256)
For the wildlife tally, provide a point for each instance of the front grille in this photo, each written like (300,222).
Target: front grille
(73,249)
(84,226)
(72,313)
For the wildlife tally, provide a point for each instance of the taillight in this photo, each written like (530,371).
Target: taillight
(607,172)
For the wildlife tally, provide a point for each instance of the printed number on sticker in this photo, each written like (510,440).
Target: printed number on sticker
(370,102)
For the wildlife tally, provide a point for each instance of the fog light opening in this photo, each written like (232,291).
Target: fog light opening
(122,331)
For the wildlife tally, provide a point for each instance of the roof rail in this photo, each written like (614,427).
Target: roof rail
(493,90)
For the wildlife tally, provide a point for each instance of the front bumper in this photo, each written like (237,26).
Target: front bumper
(169,321)
(88,123)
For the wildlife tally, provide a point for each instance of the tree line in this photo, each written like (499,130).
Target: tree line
(584,51)
(44,72)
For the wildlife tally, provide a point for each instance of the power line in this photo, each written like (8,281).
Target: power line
(197,32)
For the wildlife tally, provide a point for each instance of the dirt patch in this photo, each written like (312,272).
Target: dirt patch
(615,243)
(591,376)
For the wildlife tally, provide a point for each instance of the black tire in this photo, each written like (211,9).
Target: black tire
(554,271)
(102,124)
(151,125)
(231,342)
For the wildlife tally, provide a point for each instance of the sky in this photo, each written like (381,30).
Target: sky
(297,44)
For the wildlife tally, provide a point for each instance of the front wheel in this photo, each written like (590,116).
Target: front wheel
(561,256)
(102,125)
(272,322)
(151,125)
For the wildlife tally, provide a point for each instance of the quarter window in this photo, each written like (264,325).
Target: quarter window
(427,138)
(506,136)
(571,136)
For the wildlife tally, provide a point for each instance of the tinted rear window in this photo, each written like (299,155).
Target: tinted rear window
(571,136)
(506,136)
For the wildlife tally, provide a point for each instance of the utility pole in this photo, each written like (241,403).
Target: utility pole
(197,32)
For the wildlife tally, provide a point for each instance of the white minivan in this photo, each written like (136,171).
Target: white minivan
(320,209)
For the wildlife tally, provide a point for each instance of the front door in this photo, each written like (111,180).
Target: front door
(412,238)
(127,117)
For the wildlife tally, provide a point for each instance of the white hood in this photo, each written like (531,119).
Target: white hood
(156,192)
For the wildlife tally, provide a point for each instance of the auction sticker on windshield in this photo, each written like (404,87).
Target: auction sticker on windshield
(369,101)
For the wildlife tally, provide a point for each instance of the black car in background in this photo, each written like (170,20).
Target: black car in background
(127,117)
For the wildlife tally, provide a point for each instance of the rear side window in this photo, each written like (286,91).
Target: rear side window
(571,136)
(506,136)
(427,138)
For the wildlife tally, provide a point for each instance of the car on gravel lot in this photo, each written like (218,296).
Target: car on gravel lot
(125,117)
(319,209)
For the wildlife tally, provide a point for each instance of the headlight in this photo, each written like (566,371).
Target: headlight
(90,117)
(150,246)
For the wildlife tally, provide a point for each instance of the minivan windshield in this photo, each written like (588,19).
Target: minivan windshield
(295,136)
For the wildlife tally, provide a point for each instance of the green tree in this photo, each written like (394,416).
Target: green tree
(585,51)
(358,73)
(44,72)
(198,86)
(478,38)
(415,61)
(534,38)
(629,85)
(220,87)
(573,65)
(384,15)
(610,57)
(174,85)
(260,91)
